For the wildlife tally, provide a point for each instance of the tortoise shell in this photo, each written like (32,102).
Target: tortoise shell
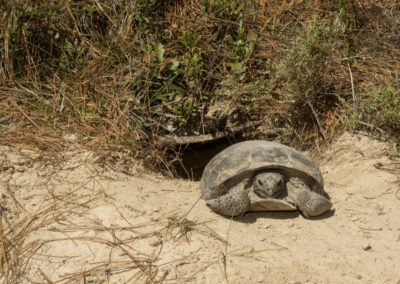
(245,159)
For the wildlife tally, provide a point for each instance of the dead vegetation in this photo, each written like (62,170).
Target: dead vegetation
(20,245)
(31,223)
(129,74)
(75,221)
(118,73)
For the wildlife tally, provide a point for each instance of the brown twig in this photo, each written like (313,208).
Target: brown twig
(46,277)
(203,138)
(320,127)
(24,114)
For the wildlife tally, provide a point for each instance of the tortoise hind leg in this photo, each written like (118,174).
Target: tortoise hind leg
(235,203)
(310,203)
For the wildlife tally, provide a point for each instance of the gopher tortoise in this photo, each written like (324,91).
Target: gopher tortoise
(263,176)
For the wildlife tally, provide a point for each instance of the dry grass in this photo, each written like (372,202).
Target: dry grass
(118,74)
(59,211)
(59,217)
(20,245)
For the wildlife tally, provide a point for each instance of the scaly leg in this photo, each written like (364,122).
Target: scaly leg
(235,203)
(310,203)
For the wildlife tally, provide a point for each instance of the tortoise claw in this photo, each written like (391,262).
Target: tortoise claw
(310,203)
(232,204)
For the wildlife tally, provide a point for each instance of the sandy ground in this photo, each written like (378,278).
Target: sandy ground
(78,222)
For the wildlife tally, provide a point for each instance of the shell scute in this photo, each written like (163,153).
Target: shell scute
(244,159)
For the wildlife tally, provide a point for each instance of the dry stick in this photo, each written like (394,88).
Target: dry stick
(7,186)
(47,278)
(353,92)
(39,98)
(4,262)
(371,126)
(176,140)
(181,140)
(24,114)
(321,129)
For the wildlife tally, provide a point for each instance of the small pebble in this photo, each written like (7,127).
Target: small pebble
(367,247)
(155,242)
(70,137)
(260,279)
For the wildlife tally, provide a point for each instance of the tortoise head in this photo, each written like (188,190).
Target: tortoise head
(268,184)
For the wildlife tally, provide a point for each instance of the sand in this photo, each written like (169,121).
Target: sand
(76,221)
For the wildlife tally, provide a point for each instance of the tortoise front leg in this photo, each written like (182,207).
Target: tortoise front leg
(235,203)
(310,203)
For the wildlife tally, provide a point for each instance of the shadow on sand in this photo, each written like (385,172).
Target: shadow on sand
(252,217)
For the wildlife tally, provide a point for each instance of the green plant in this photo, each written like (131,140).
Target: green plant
(225,9)
(127,72)
(143,11)
(384,107)
(242,46)
(308,61)
(342,20)
(35,42)
(193,64)
(181,226)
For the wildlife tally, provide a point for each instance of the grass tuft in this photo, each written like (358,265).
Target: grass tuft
(125,74)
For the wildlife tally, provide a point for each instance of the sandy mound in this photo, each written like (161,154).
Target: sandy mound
(76,222)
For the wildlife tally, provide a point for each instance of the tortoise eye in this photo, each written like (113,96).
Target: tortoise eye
(259,182)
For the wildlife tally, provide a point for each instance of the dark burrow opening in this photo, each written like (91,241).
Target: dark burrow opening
(194,157)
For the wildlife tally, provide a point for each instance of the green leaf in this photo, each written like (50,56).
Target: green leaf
(159,50)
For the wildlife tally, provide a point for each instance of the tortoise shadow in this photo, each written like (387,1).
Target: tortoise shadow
(326,215)
(252,217)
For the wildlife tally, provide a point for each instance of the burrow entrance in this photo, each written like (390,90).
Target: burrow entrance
(194,157)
